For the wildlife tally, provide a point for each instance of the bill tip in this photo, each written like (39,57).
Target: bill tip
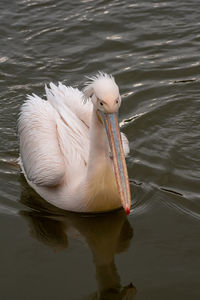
(127,211)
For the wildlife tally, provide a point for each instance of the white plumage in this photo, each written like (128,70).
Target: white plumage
(64,150)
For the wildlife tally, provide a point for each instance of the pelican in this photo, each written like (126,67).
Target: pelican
(71,150)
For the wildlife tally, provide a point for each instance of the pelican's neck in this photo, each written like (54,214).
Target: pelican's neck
(101,189)
(99,147)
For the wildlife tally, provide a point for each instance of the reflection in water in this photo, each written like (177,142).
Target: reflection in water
(105,234)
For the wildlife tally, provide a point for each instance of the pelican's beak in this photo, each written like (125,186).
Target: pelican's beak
(121,173)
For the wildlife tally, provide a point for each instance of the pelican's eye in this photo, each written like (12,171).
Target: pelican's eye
(100,102)
(117,101)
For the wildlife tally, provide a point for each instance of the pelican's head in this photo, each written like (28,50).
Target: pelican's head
(104,93)
(105,96)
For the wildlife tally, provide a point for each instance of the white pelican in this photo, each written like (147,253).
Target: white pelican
(71,149)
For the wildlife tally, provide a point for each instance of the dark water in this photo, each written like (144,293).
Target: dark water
(152,49)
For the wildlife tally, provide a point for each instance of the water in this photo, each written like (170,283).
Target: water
(152,49)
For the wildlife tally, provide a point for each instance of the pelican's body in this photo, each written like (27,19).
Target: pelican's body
(64,150)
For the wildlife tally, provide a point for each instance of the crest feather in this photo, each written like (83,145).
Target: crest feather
(88,90)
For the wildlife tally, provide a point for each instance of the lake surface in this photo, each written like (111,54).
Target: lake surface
(152,48)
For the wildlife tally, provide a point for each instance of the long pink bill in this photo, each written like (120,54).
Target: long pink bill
(121,173)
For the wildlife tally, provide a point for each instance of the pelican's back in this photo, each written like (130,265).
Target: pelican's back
(54,136)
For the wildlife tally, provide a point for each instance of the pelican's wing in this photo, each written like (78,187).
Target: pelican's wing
(125,144)
(62,97)
(40,155)
(75,115)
